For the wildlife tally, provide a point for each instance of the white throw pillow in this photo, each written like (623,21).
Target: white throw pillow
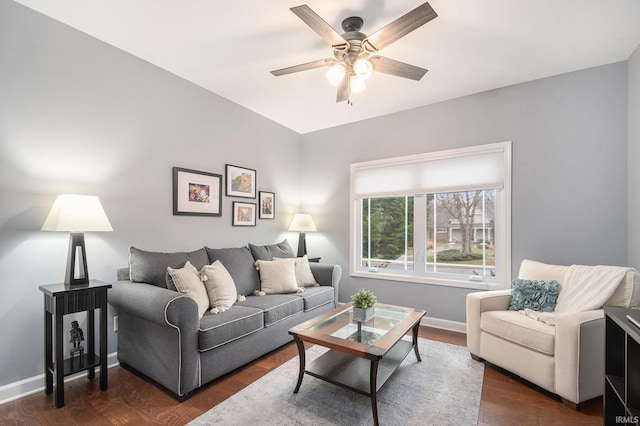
(221,289)
(277,276)
(304,276)
(187,280)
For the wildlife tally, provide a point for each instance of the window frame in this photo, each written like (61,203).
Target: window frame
(502,225)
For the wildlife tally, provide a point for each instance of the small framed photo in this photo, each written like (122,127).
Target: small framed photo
(196,193)
(267,203)
(241,182)
(244,214)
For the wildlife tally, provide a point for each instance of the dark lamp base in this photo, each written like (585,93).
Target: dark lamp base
(77,253)
(302,245)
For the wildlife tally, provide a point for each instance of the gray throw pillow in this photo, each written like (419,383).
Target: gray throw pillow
(268,252)
(536,295)
(151,267)
(240,264)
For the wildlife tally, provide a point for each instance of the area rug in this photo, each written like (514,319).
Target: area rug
(443,389)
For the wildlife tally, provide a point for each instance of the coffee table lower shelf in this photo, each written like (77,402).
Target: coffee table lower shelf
(353,372)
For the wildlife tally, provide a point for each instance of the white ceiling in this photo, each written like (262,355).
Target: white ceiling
(473,45)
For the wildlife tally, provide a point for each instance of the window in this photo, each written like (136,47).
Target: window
(437,218)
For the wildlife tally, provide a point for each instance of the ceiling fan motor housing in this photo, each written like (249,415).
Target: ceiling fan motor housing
(352,26)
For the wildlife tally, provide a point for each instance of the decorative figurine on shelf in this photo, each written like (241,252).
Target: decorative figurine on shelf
(77,337)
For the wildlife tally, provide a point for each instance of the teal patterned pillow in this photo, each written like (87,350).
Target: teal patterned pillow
(533,294)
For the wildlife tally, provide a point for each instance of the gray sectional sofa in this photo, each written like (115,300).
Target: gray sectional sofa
(161,336)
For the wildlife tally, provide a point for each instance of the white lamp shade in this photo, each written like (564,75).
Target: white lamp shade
(302,222)
(77,213)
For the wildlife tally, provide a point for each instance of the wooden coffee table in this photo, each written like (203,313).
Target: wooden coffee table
(362,356)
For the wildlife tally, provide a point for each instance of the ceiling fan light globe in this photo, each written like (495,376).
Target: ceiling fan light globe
(363,68)
(335,74)
(357,84)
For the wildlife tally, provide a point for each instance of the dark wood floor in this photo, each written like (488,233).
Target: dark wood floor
(131,399)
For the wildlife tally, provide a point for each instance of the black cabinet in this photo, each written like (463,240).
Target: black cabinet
(622,367)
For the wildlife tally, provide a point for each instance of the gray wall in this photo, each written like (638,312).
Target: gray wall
(633,100)
(79,116)
(569,197)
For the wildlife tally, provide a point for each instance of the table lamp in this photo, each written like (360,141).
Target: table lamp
(302,222)
(77,214)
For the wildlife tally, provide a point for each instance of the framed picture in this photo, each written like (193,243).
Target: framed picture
(241,182)
(196,193)
(244,214)
(267,203)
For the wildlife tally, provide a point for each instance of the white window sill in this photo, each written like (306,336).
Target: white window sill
(486,284)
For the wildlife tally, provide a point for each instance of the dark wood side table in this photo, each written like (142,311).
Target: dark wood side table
(59,300)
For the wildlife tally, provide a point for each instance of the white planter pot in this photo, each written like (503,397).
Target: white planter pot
(363,315)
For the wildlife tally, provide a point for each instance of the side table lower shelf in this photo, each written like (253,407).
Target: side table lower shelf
(76,365)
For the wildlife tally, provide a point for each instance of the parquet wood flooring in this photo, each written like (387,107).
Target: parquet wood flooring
(134,400)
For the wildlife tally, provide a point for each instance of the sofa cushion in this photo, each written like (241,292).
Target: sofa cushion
(187,280)
(220,286)
(520,329)
(239,263)
(151,267)
(537,295)
(268,252)
(277,276)
(276,307)
(232,324)
(314,297)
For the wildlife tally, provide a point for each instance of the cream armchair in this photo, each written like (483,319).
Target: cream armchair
(566,359)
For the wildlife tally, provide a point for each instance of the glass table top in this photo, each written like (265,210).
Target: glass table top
(342,326)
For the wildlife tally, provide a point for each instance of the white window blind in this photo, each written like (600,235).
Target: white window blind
(475,168)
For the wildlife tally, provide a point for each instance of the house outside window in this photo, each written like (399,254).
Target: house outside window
(450,228)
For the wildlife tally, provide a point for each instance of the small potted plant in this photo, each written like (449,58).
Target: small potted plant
(363,302)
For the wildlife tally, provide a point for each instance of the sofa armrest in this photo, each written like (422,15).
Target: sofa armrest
(579,355)
(329,275)
(158,334)
(477,303)
(155,304)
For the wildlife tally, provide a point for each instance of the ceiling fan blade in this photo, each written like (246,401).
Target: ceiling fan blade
(399,28)
(320,26)
(303,67)
(397,68)
(343,90)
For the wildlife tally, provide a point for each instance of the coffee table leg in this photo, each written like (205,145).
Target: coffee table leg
(415,341)
(373,379)
(300,345)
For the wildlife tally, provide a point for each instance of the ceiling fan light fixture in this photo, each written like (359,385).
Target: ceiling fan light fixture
(363,68)
(356,84)
(336,73)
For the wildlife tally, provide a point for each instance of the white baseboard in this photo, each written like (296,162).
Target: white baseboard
(459,327)
(12,391)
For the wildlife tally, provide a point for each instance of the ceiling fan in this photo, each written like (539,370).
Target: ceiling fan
(356,53)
